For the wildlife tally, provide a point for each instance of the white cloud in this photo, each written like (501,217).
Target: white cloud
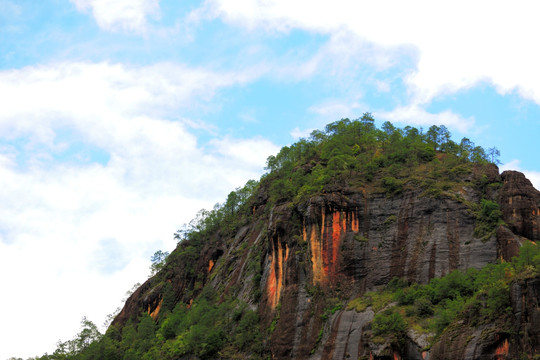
(534,176)
(415,115)
(8,9)
(126,15)
(249,116)
(241,153)
(244,152)
(333,110)
(458,43)
(296,133)
(344,57)
(62,221)
(382,86)
(101,97)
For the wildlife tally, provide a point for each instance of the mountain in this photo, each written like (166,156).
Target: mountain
(358,243)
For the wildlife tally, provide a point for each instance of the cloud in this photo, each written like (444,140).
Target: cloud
(458,44)
(249,116)
(65,220)
(8,9)
(241,153)
(332,110)
(345,58)
(534,176)
(101,97)
(296,133)
(120,15)
(415,115)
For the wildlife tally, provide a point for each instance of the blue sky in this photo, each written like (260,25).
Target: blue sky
(120,119)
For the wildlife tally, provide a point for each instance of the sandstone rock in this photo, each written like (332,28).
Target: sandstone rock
(520,205)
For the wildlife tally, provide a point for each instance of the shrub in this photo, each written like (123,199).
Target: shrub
(488,216)
(423,307)
(389,323)
(392,185)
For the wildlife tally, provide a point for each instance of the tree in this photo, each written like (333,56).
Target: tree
(493,154)
(478,155)
(146,327)
(450,147)
(433,136)
(443,136)
(337,127)
(110,317)
(89,333)
(158,261)
(529,255)
(466,146)
(438,136)
(368,121)
(131,291)
(232,203)
(388,128)
(386,134)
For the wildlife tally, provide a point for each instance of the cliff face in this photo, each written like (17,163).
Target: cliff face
(518,335)
(291,263)
(520,204)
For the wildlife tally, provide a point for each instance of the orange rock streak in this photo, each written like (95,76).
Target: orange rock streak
(271,284)
(355,223)
(154,314)
(319,275)
(210,265)
(502,350)
(325,244)
(337,226)
(274,285)
(323,222)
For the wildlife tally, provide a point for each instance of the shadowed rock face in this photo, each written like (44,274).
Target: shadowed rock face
(344,243)
(520,204)
(366,240)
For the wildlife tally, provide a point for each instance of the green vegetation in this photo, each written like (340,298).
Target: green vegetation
(224,217)
(356,153)
(389,323)
(158,261)
(474,297)
(488,217)
(377,300)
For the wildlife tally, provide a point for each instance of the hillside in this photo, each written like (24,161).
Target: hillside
(358,243)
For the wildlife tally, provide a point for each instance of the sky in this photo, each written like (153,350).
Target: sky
(120,119)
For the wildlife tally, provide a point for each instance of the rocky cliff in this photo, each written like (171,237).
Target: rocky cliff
(300,258)
(339,245)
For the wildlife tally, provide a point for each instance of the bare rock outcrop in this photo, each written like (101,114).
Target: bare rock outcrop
(520,205)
